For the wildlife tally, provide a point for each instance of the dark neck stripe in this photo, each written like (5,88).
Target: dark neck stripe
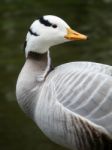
(36,55)
(33,33)
(45,22)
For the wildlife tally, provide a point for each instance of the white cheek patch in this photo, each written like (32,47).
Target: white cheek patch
(29,34)
(44,33)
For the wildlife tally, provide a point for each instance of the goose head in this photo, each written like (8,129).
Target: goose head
(49,31)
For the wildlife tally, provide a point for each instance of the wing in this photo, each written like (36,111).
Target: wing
(85,89)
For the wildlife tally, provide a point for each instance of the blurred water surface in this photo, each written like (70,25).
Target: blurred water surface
(93,18)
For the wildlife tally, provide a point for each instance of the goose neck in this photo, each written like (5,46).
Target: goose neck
(31,79)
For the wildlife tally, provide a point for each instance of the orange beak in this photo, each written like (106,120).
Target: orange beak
(73,35)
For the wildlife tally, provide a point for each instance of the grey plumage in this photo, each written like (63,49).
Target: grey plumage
(72,103)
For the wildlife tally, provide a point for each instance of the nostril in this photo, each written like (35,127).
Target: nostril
(75,33)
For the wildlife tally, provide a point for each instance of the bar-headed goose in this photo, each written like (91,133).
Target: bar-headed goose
(72,103)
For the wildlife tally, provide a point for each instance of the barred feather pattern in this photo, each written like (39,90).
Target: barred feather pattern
(74,108)
(72,105)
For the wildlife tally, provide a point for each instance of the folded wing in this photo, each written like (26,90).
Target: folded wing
(85,89)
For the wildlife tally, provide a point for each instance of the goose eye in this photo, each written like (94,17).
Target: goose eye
(54,26)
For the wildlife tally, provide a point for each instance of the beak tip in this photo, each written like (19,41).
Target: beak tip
(86,37)
(73,35)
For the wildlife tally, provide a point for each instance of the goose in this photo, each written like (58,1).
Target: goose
(71,103)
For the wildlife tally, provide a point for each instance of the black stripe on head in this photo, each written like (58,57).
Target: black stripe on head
(33,33)
(25,43)
(45,22)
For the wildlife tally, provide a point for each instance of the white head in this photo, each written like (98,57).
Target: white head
(49,31)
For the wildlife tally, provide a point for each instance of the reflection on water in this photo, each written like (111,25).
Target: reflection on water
(93,18)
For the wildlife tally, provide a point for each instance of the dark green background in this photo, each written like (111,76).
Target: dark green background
(91,17)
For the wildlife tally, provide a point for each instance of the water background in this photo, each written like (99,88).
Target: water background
(91,17)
